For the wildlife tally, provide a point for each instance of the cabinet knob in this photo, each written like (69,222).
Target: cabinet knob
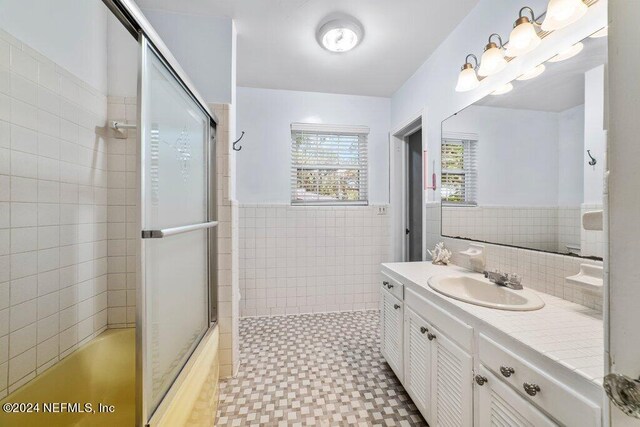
(531,388)
(423,330)
(389,285)
(431,336)
(507,371)
(480,380)
(396,306)
(385,283)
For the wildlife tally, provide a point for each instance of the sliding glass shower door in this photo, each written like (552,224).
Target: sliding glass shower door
(176,224)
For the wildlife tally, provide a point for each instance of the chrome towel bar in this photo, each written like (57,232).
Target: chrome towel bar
(166,232)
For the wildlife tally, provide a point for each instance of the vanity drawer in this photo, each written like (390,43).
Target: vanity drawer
(394,287)
(562,403)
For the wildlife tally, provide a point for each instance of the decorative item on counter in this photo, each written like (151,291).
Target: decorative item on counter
(440,255)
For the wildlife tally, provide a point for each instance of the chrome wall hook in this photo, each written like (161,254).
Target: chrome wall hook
(238,140)
(593,160)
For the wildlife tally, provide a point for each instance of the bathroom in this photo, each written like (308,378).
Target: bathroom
(294,213)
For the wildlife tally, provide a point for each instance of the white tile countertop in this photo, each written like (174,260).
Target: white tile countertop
(567,333)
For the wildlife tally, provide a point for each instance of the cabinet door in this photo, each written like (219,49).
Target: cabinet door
(391,331)
(451,383)
(417,362)
(499,405)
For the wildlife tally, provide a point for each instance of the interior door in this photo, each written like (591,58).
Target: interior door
(414,196)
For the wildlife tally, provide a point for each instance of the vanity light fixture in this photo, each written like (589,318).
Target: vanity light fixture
(492,60)
(524,37)
(467,79)
(600,33)
(340,35)
(569,53)
(561,13)
(533,73)
(502,90)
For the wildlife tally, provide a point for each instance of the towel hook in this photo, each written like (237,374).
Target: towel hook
(593,160)
(238,140)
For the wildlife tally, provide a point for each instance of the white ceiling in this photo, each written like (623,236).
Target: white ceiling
(277,48)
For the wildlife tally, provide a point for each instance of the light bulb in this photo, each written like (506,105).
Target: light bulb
(569,53)
(340,40)
(533,73)
(561,13)
(467,79)
(523,38)
(502,90)
(492,60)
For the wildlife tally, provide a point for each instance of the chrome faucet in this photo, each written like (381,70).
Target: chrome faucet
(511,281)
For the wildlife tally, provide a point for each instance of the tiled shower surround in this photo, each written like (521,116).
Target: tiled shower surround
(544,272)
(296,259)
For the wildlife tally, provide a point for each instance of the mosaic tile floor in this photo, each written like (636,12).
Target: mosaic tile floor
(316,369)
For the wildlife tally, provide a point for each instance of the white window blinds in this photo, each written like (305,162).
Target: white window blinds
(459,171)
(329,164)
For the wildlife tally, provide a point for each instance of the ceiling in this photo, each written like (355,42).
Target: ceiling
(277,48)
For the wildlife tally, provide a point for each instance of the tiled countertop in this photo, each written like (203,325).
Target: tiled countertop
(565,332)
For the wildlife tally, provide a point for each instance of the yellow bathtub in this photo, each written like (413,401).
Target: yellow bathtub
(100,372)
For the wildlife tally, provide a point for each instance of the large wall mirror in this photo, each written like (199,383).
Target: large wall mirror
(521,168)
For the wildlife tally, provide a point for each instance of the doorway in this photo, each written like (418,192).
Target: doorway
(414,195)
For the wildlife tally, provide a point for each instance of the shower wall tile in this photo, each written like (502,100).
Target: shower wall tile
(53,226)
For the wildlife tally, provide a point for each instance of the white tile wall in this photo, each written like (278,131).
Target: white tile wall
(545,272)
(53,213)
(593,242)
(297,259)
(122,216)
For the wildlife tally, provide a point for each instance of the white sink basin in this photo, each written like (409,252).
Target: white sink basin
(484,293)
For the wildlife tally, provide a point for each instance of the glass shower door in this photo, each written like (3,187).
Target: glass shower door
(173,315)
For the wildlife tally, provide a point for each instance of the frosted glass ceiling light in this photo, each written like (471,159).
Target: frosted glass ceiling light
(492,60)
(532,74)
(569,53)
(600,33)
(340,35)
(504,89)
(561,13)
(523,38)
(467,79)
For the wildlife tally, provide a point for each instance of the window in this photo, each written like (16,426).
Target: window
(329,164)
(458,171)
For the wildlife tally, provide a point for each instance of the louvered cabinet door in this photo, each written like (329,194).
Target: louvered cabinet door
(500,406)
(391,331)
(451,383)
(417,362)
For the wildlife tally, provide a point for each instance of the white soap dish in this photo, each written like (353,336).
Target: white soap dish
(475,254)
(592,220)
(590,278)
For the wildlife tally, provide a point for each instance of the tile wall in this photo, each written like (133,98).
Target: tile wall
(53,213)
(593,242)
(297,259)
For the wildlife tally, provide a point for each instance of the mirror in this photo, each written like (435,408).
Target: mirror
(522,168)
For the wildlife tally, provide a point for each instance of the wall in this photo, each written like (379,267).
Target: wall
(204,47)
(594,135)
(571,139)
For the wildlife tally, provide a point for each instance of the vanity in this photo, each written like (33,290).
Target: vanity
(465,364)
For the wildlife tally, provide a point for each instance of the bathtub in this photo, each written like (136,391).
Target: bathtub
(102,371)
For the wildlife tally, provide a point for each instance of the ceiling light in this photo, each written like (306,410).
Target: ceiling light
(492,60)
(600,33)
(523,38)
(561,13)
(467,79)
(533,73)
(340,35)
(504,89)
(569,53)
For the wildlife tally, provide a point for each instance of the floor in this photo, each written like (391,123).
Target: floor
(315,369)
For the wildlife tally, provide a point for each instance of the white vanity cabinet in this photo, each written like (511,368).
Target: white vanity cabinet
(391,334)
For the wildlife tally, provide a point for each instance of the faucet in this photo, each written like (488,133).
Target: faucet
(511,281)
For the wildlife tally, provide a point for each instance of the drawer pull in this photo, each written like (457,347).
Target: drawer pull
(389,285)
(431,336)
(423,330)
(531,388)
(396,306)
(507,371)
(480,380)
(385,283)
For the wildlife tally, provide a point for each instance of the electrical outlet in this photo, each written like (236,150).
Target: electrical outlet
(382,210)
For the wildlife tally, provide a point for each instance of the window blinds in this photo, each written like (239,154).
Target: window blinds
(329,164)
(459,171)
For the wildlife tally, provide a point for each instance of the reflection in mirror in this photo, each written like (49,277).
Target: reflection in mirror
(515,166)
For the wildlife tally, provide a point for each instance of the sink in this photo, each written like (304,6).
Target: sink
(480,291)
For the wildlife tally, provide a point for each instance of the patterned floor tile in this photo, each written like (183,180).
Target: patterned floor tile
(314,370)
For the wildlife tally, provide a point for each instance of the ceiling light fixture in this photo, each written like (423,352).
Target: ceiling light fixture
(524,37)
(504,89)
(569,53)
(600,33)
(492,60)
(533,73)
(561,13)
(467,79)
(340,35)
